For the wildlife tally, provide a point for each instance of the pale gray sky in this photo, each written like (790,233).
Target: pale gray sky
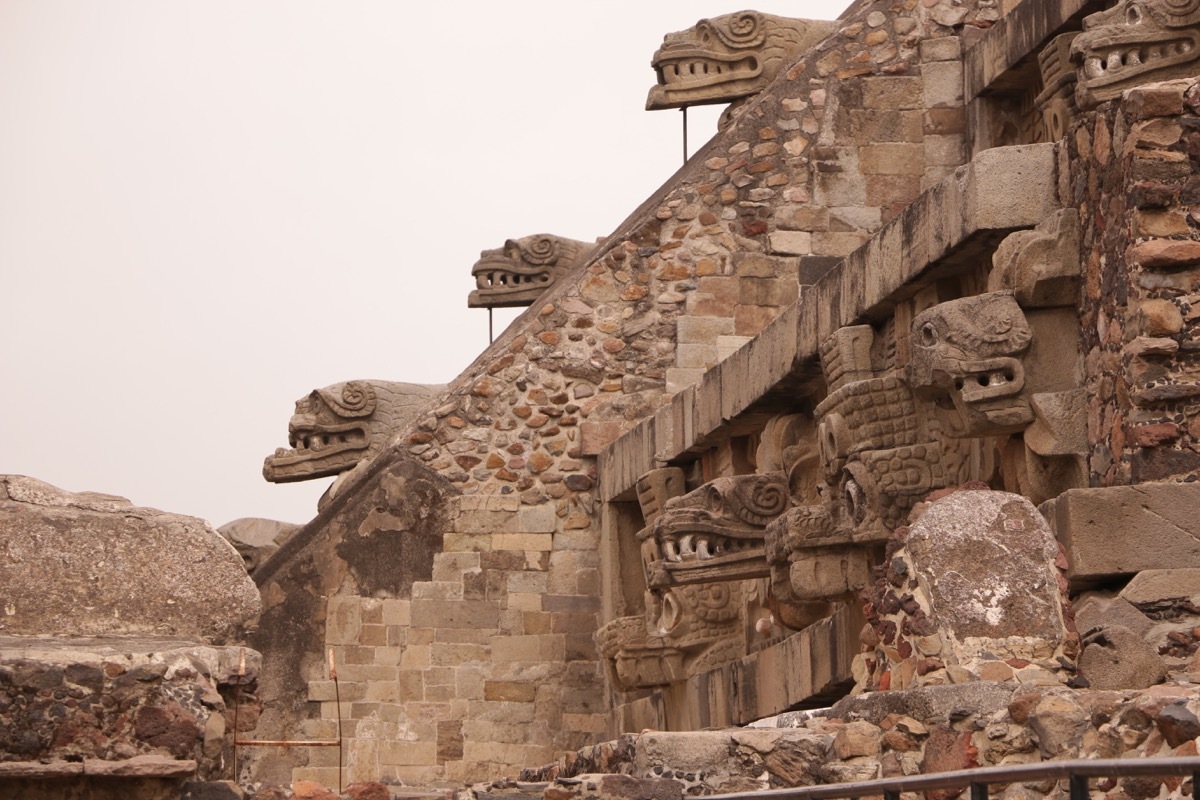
(208,209)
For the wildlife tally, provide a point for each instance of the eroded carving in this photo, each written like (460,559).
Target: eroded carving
(336,428)
(723,59)
(966,361)
(1135,42)
(523,269)
(715,533)
(1056,102)
(1041,265)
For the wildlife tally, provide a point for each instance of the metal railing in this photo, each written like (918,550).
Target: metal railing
(1076,772)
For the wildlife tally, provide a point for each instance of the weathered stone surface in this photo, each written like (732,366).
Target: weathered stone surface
(986,560)
(1114,657)
(58,696)
(1094,610)
(1158,589)
(257,539)
(1122,530)
(83,565)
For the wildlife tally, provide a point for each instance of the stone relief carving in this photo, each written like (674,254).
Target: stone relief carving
(727,58)
(1135,42)
(976,362)
(715,533)
(523,269)
(689,628)
(1056,102)
(336,428)
(966,362)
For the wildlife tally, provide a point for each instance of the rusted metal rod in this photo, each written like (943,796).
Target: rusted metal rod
(337,696)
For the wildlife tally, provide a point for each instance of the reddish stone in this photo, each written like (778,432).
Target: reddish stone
(501,363)
(523,412)
(1152,435)
(505,475)
(1164,253)
(494,461)
(550,337)
(539,462)
(613,345)
(467,461)
(311,790)
(948,750)
(1158,101)
(537,421)
(369,790)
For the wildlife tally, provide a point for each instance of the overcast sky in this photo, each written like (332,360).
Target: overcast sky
(208,209)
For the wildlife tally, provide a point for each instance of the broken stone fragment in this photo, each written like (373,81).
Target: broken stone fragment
(76,564)
(1114,657)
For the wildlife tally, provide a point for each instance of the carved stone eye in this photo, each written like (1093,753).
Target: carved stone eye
(1133,14)
(929,334)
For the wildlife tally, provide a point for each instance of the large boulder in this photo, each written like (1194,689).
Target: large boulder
(96,565)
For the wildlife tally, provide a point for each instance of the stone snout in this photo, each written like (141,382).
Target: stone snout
(966,360)
(715,533)
(523,269)
(726,58)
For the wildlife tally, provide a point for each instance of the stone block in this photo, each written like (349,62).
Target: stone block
(945,48)
(893,92)
(523,541)
(828,243)
(768,291)
(595,435)
(892,158)
(756,265)
(700,356)
(790,242)
(537,519)
(397,612)
(547,647)
(1116,658)
(1122,530)
(987,560)
(942,84)
(483,521)
(845,188)
(455,614)
(1094,610)
(407,753)
(945,151)
(728,345)
(702,330)
(488,502)
(343,619)
(679,378)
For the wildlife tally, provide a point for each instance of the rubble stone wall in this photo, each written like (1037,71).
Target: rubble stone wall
(1136,178)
